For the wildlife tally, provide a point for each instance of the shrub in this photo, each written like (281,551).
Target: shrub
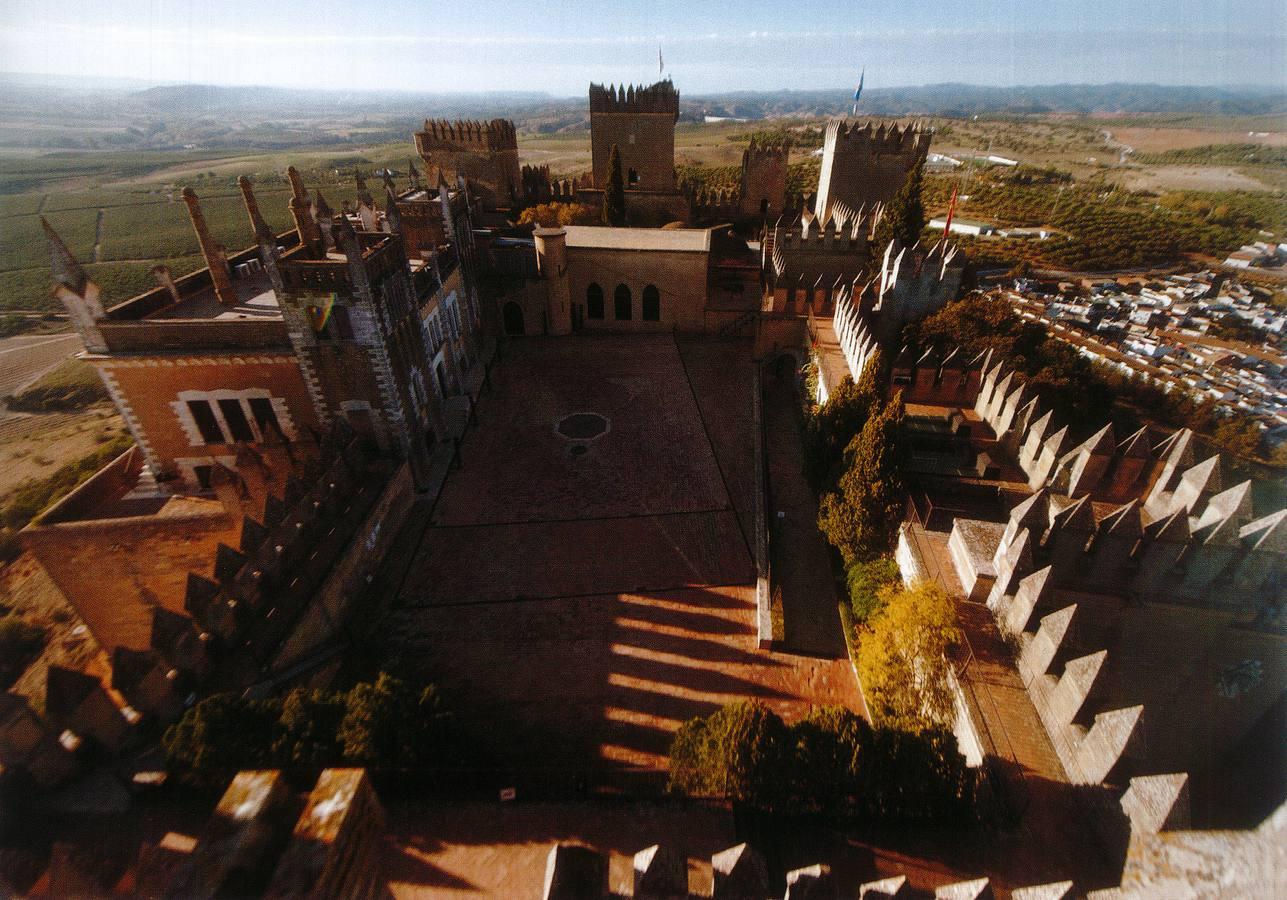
(736,753)
(870,583)
(387,723)
(832,762)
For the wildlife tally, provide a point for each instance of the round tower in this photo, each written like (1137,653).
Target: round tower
(552,261)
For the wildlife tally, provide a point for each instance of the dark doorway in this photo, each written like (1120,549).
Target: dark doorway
(764,206)
(513,315)
(651,304)
(621,303)
(594,301)
(634,177)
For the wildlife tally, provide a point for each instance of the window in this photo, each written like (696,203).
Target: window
(633,178)
(651,304)
(235,416)
(594,302)
(621,303)
(262,409)
(207,424)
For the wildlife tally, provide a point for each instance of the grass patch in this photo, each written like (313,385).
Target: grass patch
(23,245)
(36,495)
(74,384)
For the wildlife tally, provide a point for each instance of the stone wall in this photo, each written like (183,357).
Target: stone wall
(679,277)
(333,607)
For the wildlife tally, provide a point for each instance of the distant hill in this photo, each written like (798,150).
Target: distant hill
(106,115)
(967,100)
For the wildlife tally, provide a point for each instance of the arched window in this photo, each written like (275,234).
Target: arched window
(621,303)
(594,301)
(651,304)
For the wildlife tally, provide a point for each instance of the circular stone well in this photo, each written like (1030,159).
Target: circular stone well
(582,426)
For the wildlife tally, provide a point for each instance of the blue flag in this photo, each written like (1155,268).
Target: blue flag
(861,78)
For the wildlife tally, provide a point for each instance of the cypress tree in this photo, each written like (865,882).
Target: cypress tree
(904,216)
(614,192)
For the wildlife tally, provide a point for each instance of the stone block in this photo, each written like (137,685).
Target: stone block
(978,889)
(1057,890)
(660,873)
(813,882)
(738,873)
(884,889)
(573,871)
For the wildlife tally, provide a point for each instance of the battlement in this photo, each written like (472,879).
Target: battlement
(768,150)
(855,137)
(466,134)
(661,97)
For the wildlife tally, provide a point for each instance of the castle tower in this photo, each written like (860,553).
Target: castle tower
(552,260)
(641,122)
(862,165)
(764,177)
(485,154)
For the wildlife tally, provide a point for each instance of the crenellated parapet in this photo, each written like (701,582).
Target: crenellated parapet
(485,154)
(866,164)
(467,134)
(662,97)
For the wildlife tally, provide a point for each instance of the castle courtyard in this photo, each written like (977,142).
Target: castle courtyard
(584,583)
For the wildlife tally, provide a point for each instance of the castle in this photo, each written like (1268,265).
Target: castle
(287,402)
(292,401)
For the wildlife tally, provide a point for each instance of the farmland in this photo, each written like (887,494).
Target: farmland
(1191,184)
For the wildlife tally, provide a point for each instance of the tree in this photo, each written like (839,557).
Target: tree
(904,216)
(614,192)
(838,420)
(737,752)
(902,659)
(552,214)
(860,518)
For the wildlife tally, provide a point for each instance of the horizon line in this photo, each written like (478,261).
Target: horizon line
(151,85)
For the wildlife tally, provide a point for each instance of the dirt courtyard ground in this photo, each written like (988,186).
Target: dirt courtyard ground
(588,601)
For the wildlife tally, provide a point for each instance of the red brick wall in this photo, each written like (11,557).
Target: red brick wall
(148,390)
(114,571)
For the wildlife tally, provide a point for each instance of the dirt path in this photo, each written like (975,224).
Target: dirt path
(40,207)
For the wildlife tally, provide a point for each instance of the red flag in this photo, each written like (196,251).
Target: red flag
(951,208)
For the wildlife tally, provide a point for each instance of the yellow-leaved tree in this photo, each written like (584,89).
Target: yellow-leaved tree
(902,659)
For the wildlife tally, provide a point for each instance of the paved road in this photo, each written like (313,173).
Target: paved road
(25,358)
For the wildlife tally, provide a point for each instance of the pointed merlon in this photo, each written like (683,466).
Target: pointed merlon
(66,270)
(1136,445)
(257,224)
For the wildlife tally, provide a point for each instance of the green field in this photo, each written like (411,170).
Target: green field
(1103,223)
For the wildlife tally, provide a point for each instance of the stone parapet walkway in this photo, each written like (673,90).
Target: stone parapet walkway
(801,562)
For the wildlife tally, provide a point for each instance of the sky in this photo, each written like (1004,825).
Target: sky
(476,45)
